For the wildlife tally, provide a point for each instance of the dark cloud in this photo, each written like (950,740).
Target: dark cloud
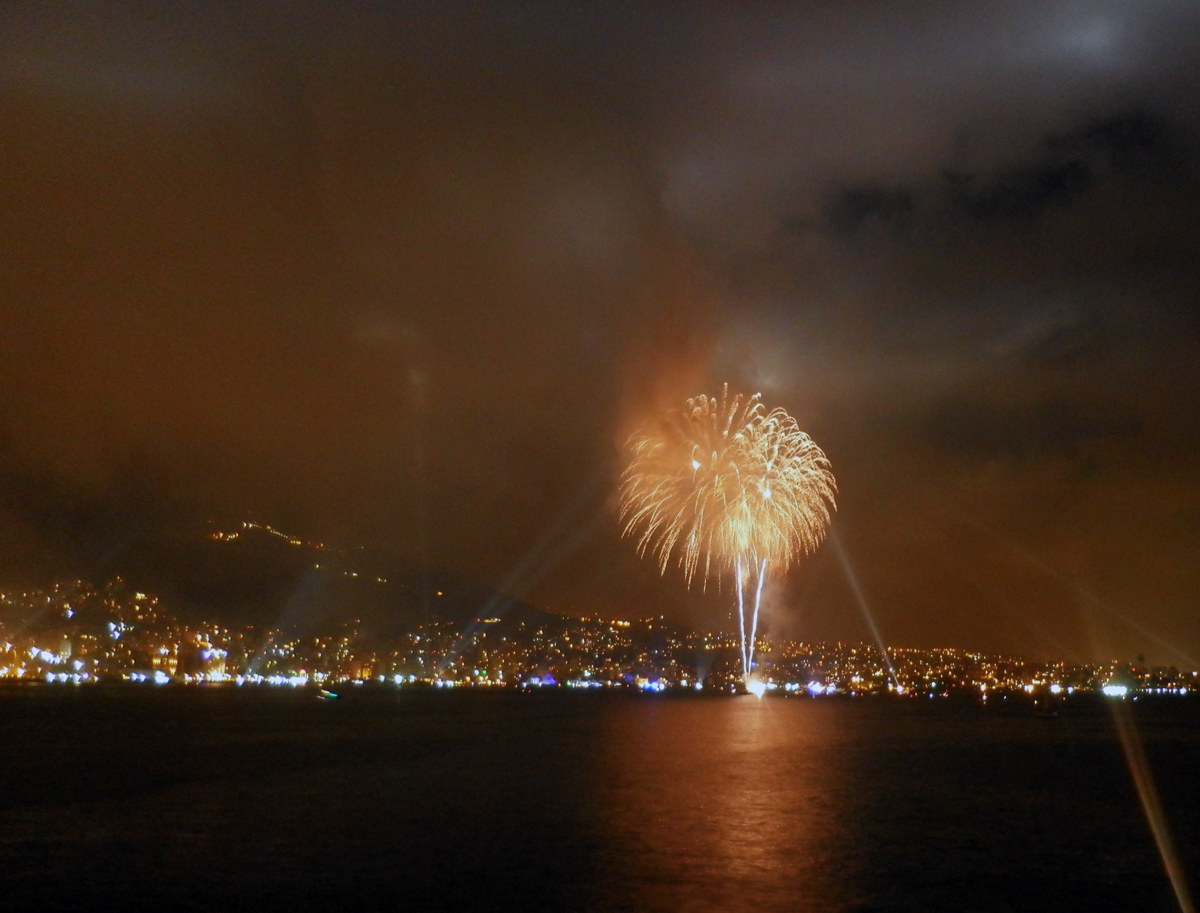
(870,210)
(1075,341)
(1021,194)
(1055,172)
(1134,143)
(1051,428)
(1130,145)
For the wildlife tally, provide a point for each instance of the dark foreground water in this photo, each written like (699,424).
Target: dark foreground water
(266,799)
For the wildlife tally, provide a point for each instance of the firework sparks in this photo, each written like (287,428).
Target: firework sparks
(727,488)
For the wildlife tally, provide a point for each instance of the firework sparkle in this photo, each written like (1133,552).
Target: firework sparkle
(726,487)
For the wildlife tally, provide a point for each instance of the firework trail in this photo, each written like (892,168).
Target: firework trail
(727,488)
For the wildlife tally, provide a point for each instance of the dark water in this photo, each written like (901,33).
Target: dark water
(264,799)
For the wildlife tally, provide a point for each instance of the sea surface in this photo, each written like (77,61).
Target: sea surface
(271,799)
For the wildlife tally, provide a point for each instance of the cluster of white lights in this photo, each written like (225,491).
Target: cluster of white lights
(158,678)
(63,678)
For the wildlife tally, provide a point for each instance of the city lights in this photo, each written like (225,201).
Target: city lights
(116,635)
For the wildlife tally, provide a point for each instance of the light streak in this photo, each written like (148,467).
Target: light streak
(1139,769)
(861,599)
(1089,598)
(762,573)
(723,481)
(742,622)
(1143,781)
(565,536)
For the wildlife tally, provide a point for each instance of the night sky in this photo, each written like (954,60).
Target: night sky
(407,275)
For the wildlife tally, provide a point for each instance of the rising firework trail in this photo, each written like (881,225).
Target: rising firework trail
(727,488)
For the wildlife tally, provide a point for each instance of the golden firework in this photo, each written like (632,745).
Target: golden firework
(726,486)
(723,481)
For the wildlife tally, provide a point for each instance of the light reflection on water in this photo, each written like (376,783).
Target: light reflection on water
(199,800)
(794,804)
(725,805)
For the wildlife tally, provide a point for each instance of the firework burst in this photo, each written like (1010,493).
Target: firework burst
(726,487)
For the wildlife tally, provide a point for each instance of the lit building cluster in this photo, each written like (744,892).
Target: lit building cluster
(862,669)
(76,634)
